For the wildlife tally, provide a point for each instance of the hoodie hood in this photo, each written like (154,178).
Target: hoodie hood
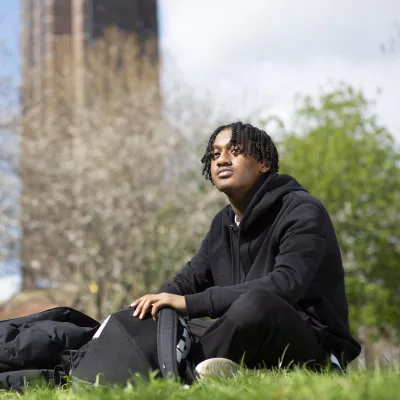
(272,190)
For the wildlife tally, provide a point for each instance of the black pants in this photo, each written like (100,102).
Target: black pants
(260,328)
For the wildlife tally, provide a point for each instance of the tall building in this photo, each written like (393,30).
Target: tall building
(54,31)
(57,41)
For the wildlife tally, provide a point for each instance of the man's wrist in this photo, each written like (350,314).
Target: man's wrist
(184,313)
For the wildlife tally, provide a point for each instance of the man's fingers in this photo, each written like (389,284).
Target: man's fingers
(137,301)
(145,307)
(140,306)
(134,303)
(143,304)
(156,307)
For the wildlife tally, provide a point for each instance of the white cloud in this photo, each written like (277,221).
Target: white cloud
(269,50)
(280,29)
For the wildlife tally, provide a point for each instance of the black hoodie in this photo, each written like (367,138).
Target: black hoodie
(285,244)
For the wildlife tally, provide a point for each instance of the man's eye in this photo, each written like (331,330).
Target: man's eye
(215,155)
(236,149)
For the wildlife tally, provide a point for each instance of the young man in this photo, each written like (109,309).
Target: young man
(269,270)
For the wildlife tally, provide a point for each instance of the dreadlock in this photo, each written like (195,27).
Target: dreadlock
(256,143)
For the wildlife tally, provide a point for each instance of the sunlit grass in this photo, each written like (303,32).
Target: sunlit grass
(300,384)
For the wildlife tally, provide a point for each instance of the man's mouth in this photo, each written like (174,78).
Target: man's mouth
(225,172)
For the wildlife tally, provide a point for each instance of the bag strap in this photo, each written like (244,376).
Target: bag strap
(22,379)
(167,330)
(174,342)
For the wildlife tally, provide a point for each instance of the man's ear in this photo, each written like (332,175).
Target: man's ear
(265,167)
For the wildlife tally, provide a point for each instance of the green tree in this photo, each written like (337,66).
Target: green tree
(344,157)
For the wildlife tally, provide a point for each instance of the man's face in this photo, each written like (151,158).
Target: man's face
(232,172)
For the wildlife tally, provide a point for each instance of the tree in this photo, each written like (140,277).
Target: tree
(391,46)
(344,157)
(105,215)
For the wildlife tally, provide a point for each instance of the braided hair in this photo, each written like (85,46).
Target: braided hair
(256,143)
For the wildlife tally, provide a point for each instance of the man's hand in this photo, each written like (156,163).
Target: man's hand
(157,301)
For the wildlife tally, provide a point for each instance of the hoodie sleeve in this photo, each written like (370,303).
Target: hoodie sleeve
(194,277)
(301,248)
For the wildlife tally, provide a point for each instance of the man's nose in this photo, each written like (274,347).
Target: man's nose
(224,158)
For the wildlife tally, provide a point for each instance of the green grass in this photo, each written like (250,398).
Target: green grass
(379,384)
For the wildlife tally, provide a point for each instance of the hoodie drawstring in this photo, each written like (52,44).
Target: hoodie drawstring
(238,254)
(235,271)
(232,258)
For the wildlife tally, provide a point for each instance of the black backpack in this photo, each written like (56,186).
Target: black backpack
(125,346)
(63,344)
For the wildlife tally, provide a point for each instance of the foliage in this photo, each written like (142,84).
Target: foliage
(344,157)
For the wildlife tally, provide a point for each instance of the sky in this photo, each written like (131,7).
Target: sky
(252,54)
(267,51)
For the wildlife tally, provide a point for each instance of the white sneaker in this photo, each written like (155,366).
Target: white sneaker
(217,367)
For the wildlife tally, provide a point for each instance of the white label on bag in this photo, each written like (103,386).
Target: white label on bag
(102,326)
